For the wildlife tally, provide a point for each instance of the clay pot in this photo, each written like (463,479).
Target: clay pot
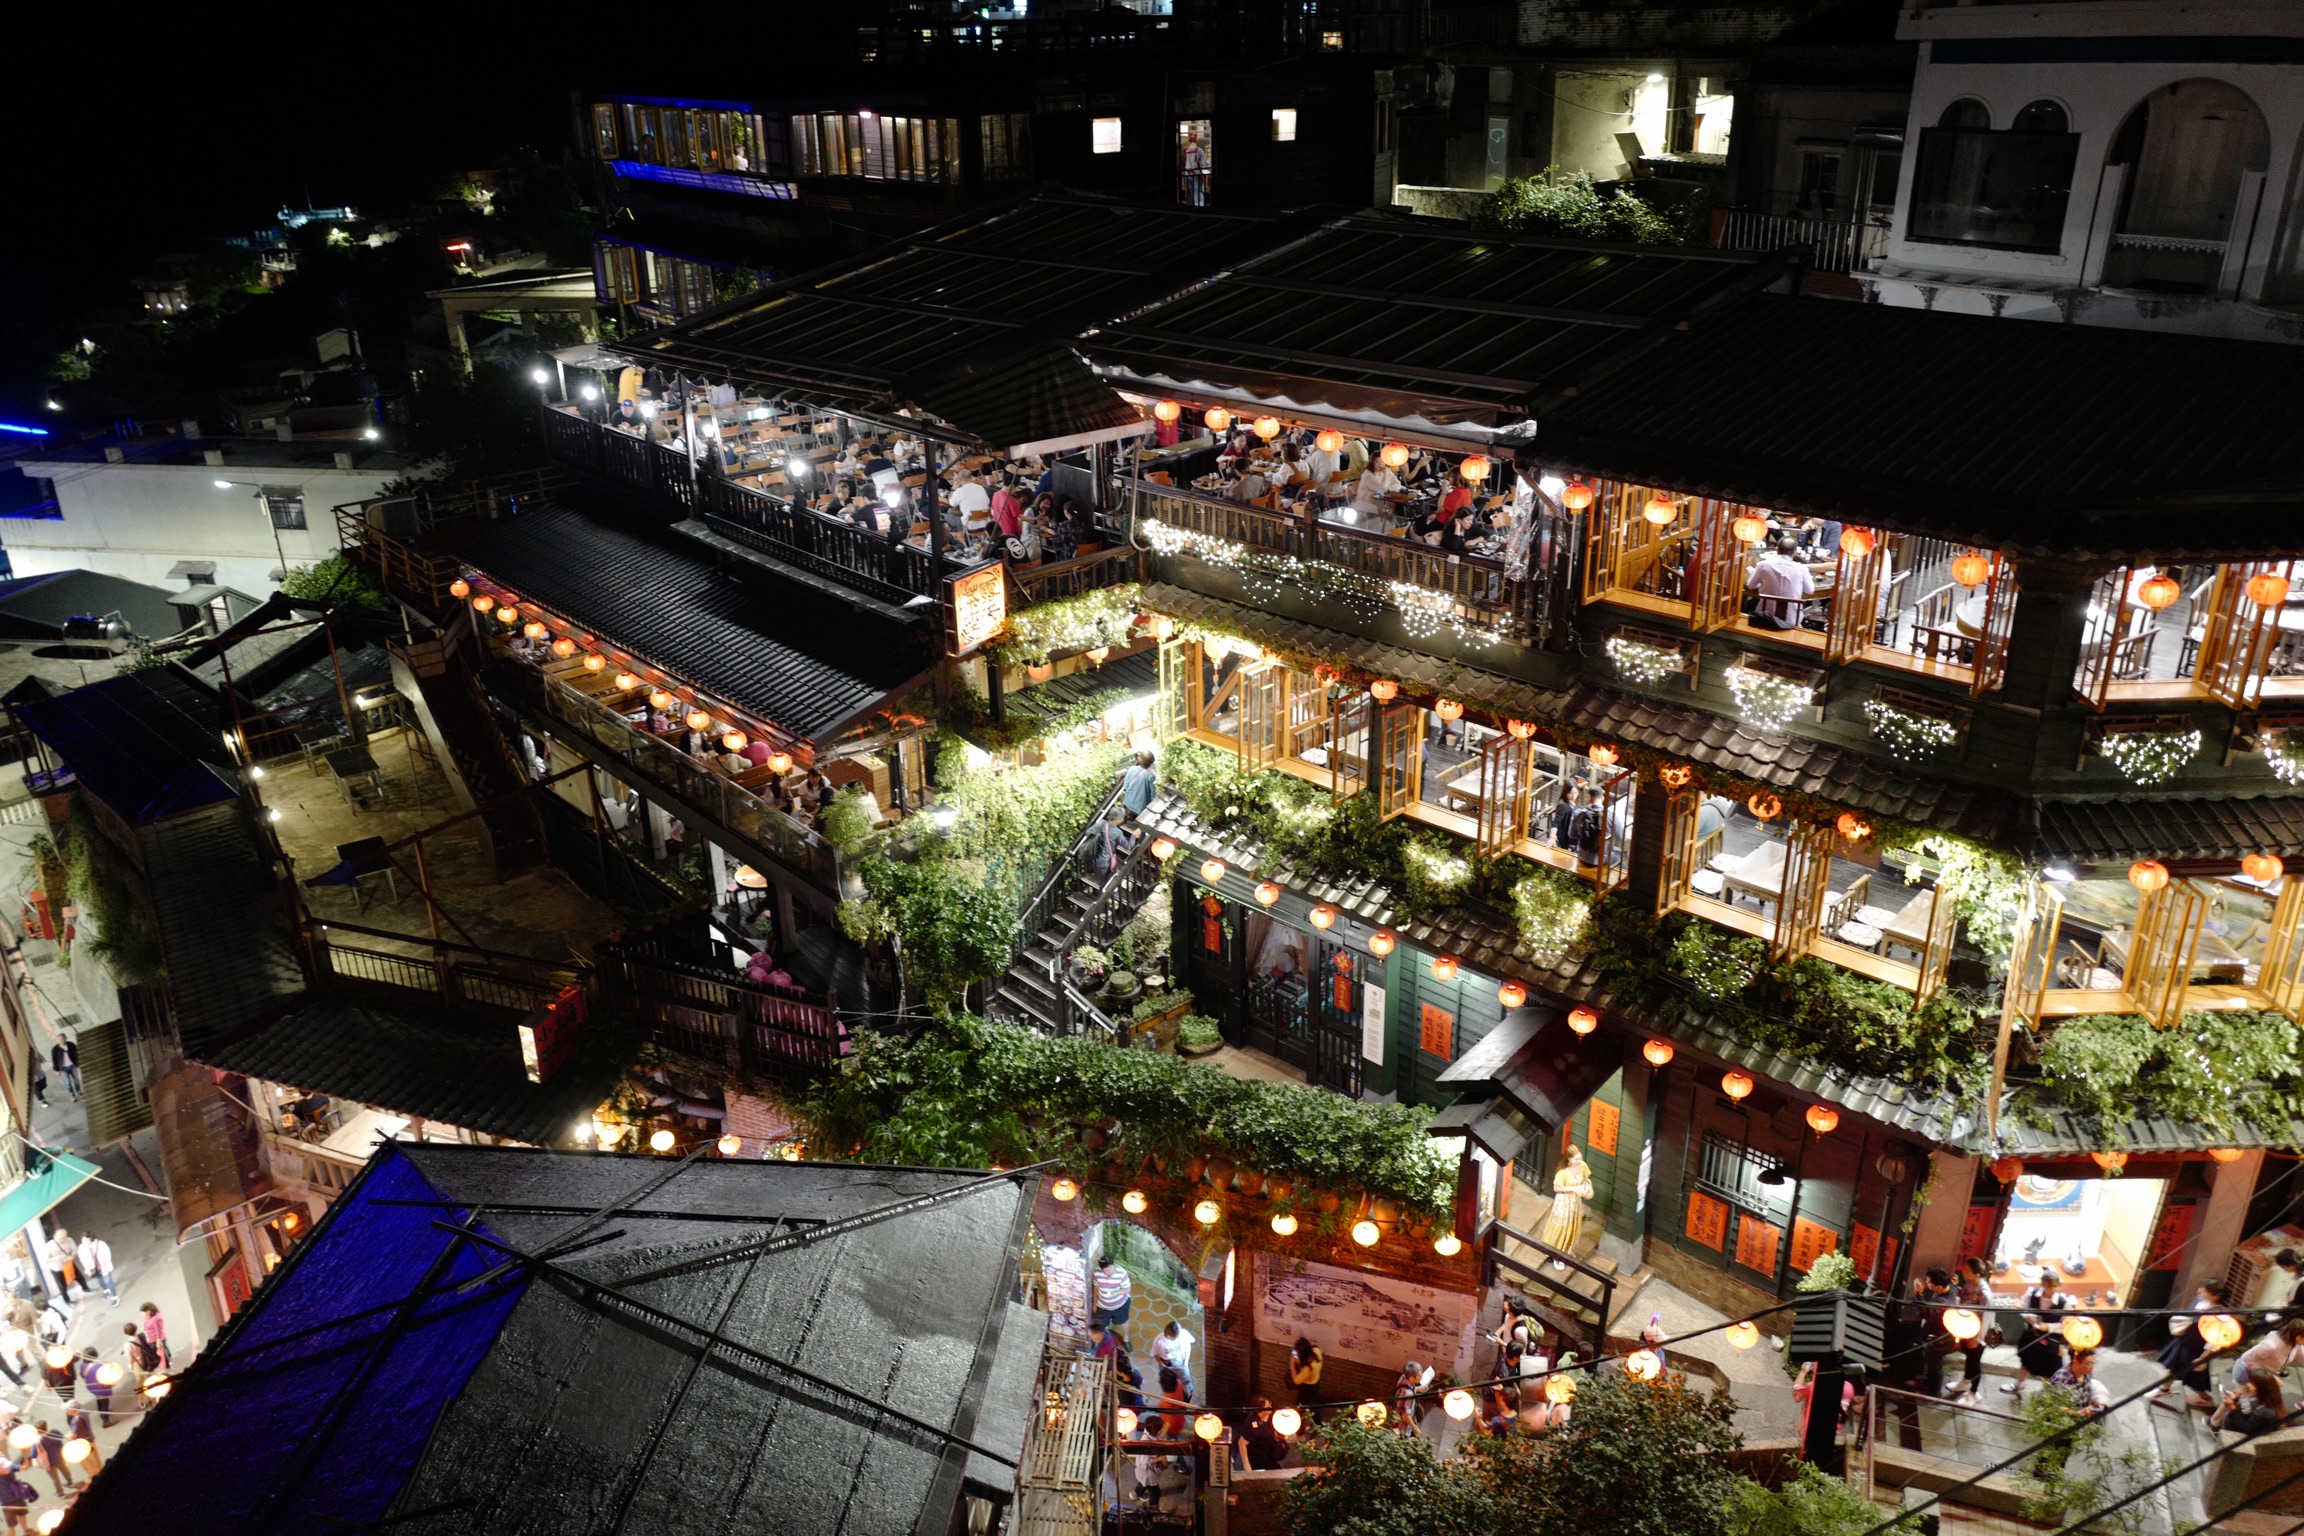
(1220,1172)
(1385,1211)
(1194,1170)
(1328,1202)
(1249,1181)
(1278,1188)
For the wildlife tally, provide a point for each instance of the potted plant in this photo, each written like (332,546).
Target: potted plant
(1197,1035)
(1120,989)
(1088,967)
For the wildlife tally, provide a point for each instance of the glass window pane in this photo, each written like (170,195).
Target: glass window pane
(2007,191)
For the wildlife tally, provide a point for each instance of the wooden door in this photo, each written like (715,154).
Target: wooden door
(1991,655)
(2281,977)
(1336,1017)
(1856,583)
(1506,767)
(1680,807)
(1807,879)
(1938,955)
(2100,640)
(2239,635)
(1349,722)
(1715,580)
(1263,714)
(1179,689)
(1399,760)
(1614,868)
(2161,950)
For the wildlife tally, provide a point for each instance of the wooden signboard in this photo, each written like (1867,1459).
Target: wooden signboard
(1708,1220)
(1864,1247)
(1810,1242)
(1437,1032)
(2166,1250)
(548,1036)
(1600,1136)
(976,608)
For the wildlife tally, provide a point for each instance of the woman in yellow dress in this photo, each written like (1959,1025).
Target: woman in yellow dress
(1571,1187)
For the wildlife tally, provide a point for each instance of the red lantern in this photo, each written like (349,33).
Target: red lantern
(1329,440)
(1324,916)
(1380,942)
(1750,528)
(1602,754)
(1822,1118)
(2157,592)
(1218,419)
(1394,455)
(1577,496)
(1583,1020)
(1267,892)
(1971,569)
(2267,589)
(1448,709)
(2263,868)
(1856,543)
(1764,806)
(1658,1052)
(1443,967)
(1674,775)
(1166,410)
(1660,510)
(2148,875)
(2226,1154)
(1383,690)
(1266,427)
(563,647)
(1163,848)
(2219,1330)
(483,603)
(1737,1085)
(1853,827)
(459,588)
(1512,994)
(2113,1163)
(595,663)
(2007,1169)
(1474,469)
(1520,730)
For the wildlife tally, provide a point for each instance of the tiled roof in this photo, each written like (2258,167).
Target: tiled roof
(807,665)
(1797,763)
(1131,676)
(2216,831)
(147,744)
(1807,767)
(220,919)
(454,1071)
(2022,437)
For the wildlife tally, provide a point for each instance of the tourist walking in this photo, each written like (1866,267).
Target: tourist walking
(1138,782)
(2040,1352)
(156,1330)
(16,1496)
(1115,1293)
(49,1450)
(2270,1355)
(63,1261)
(65,1056)
(94,1256)
(2185,1356)
(1173,1349)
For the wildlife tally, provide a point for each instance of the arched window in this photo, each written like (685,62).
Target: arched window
(2041,117)
(2006,191)
(2188,150)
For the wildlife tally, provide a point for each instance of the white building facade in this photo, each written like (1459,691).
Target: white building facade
(2111,162)
(230,512)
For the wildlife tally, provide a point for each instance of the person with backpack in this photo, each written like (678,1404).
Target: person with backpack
(16,1499)
(65,1055)
(143,1354)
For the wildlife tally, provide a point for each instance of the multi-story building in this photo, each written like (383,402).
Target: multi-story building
(1812,765)
(2117,163)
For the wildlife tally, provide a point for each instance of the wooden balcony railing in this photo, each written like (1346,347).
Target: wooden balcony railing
(1470,590)
(711,1014)
(455,976)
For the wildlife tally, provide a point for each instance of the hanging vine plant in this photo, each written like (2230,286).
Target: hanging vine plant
(1106,616)
(2151,757)
(1909,736)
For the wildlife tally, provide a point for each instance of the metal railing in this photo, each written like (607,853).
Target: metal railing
(1559,1292)
(1474,590)
(1832,245)
(311,1164)
(457,976)
(715,1015)
(667,768)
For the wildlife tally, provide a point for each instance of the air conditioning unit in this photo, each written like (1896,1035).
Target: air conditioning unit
(2252,1265)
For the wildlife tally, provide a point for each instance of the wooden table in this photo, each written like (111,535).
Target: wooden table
(368,857)
(2213,961)
(1758,874)
(354,763)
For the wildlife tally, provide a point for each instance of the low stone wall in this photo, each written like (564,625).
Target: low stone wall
(1440,202)
(2257,1465)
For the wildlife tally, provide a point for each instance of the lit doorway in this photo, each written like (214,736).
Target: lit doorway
(1195,161)
(2091,1234)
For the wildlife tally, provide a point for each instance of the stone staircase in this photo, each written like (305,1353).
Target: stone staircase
(1073,907)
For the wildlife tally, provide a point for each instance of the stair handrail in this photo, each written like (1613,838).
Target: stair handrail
(1034,917)
(1602,1304)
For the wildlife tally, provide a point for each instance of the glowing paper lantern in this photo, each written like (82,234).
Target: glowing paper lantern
(1212,871)
(1286,1422)
(1856,543)
(1456,1403)
(1560,1389)
(1166,410)
(1218,420)
(2007,1169)
(1098,654)
(1474,469)
(507,615)
(1394,455)
(1162,627)
(1658,1052)
(1971,569)
(1744,1335)
(1603,754)
(735,741)
(2158,591)
(109,1374)
(1207,1213)
(2083,1332)
(779,763)
(459,588)
(2113,1163)
(1283,1224)
(1383,690)
(23,1437)
(1125,1421)
(1065,1189)
(1329,440)
(1583,1021)
(1448,1245)
(483,603)
(1822,1118)
(1643,1365)
(1267,892)
(1674,775)
(1963,1324)
(660,701)
(627,680)
(1577,496)
(563,647)
(1853,827)
(2148,875)
(1164,848)
(1134,1202)
(699,720)
(1660,510)
(662,1140)
(1750,528)
(1381,942)
(2267,589)
(1324,916)
(1208,1426)
(595,663)
(1737,1085)
(730,1144)
(2263,868)
(1512,994)
(2219,1330)
(1370,1414)
(1443,967)
(57,1357)
(1448,709)
(1520,730)
(1764,806)
(2217,1154)
(1365,1232)
(1266,427)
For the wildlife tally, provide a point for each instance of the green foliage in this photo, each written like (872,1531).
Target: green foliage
(1559,202)
(1375,1482)
(2213,1069)
(846,823)
(970,1093)
(1988,888)
(111,900)
(954,931)
(1198,1031)
(2079,1474)
(338,581)
(1553,908)
(1105,616)
(1833,1272)
(1157,1004)
(1812,1503)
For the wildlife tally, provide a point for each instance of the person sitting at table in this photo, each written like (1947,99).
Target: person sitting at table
(1423,469)
(1234,452)
(1375,483)
(1024,547)
(1321,466)
(1286,470)
(1007,512)
(1777,588)
(972,502)
(1249,488)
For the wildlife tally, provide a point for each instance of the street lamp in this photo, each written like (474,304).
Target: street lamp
(261,506)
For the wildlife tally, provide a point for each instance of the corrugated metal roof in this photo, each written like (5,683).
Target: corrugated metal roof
(148,744)
(2072,438)
(220,921)
(806,664)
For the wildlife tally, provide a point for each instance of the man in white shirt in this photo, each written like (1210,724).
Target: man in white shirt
(1776,588)
(973,503)
(1321,466)
(1173,1349)
(95,1256)
(1375,483)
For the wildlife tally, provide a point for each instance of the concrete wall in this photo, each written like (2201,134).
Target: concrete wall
(139,520)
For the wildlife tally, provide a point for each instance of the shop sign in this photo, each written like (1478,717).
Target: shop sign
(1600,1136)
(978,607)
(1810,1242)
(1757,1243)
(548,1036)
(1707,1221)
(1437,1032)
(1372,1023)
